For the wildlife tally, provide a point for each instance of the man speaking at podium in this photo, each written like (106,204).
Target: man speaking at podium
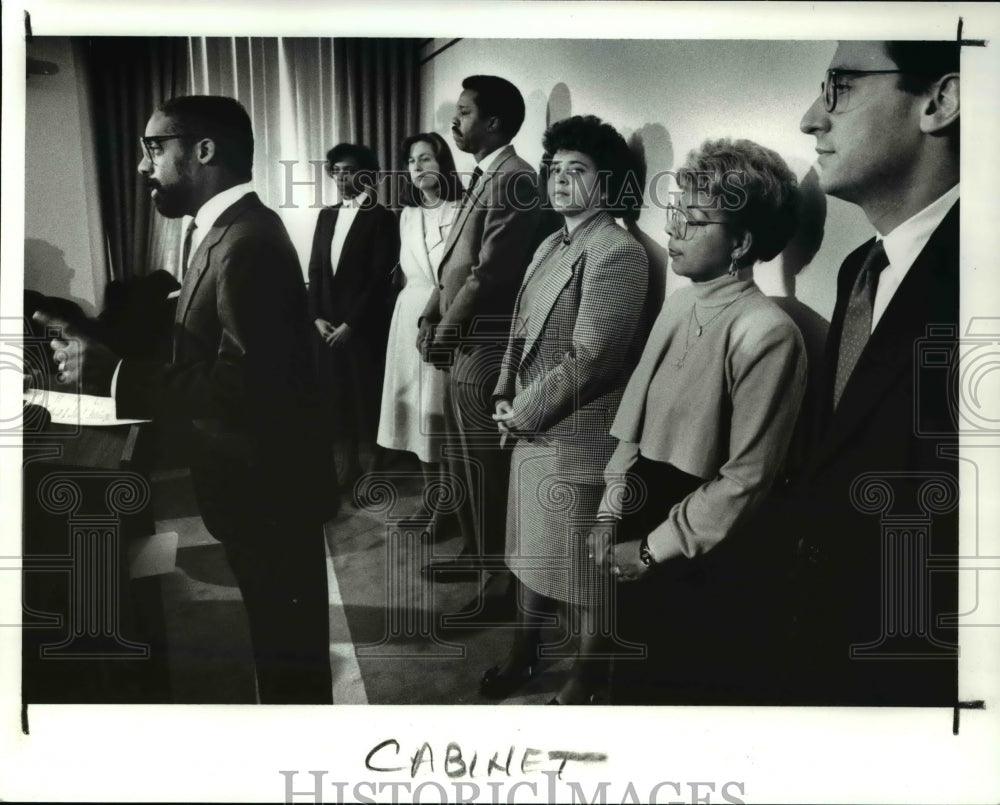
(238,388)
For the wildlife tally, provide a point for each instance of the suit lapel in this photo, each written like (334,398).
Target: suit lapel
(555,280)
(547,293)
(202,256)
(360,223)
(891,350)
(478,192)
(414,241)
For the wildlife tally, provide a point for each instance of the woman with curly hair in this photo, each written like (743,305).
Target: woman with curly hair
(572,345)
(702,429)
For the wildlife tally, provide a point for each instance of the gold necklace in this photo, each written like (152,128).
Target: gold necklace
(701,327)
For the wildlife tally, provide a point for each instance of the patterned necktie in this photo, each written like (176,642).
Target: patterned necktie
(473,181)
(186,253)
(858,317)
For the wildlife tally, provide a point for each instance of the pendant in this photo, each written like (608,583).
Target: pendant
(698,334)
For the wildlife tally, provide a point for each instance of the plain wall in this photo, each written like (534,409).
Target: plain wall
(672,94)
(63,236)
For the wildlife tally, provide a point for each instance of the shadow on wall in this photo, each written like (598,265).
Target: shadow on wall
(798,254)
(46,271)
(653,150)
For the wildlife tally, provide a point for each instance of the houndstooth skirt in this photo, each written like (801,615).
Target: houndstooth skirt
(555,489)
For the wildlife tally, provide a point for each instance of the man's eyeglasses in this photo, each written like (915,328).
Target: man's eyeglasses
(832,90)
(682,227)
(152,147)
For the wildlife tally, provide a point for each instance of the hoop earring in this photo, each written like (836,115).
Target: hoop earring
(733,268)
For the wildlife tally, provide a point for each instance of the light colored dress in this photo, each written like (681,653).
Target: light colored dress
(412,416)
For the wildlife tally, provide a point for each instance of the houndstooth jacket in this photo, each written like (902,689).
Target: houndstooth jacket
(564,374)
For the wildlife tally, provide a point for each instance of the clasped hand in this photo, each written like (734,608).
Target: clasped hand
(620,560)
(333,335)
(434,348)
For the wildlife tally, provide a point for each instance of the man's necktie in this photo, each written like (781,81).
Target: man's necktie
(186,252)
(473,181)
(858,317)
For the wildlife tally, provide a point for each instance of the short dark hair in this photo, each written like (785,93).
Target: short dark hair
(611,155)
(497,97)
(220,119)
(448,181)
(368,166)
(923,62)
(362,154)
(758,180)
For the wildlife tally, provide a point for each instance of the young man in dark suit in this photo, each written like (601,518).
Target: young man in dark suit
(875,503)
(238,390)
(355,247)
(466,322)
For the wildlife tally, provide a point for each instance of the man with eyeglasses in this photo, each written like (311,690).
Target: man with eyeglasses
(238,392)
(876,497)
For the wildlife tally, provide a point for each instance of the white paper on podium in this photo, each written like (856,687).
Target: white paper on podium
(77,409)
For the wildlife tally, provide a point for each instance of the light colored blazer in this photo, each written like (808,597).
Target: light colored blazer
(487,250)
(565,374)
(417,264)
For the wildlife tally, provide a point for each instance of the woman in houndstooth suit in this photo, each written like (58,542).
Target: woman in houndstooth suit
(572,345)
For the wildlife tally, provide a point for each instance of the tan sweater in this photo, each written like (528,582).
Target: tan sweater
(724,411)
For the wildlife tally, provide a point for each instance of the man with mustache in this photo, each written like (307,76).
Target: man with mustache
(238,392)
(465,324)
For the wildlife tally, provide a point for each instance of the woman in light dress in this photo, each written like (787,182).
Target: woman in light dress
(412,417)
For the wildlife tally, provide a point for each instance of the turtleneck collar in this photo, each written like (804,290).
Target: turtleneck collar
(720,291)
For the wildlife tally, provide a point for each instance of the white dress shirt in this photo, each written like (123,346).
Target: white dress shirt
(487,161)
(346,214)
(204,220)
(904,244)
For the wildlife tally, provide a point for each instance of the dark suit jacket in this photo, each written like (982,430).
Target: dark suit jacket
(488,248)
(357,293)
(240,384)
(877,457)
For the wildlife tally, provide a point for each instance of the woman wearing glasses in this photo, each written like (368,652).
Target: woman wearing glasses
(702,431)
(571,348)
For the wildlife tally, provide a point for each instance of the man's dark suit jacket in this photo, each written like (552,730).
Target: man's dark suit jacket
(240,393)
(240,383)
(358,292)
(874,458)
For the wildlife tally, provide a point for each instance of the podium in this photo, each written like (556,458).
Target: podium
(90,634)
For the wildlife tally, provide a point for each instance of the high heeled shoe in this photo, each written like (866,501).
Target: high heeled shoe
(498,684)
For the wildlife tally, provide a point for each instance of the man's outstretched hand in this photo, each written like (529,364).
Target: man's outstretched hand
(81,363)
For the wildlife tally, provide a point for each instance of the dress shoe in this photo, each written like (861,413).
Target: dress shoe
(499,684)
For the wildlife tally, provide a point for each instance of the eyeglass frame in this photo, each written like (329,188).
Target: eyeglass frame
(834,72)
(682,216)
(158,140)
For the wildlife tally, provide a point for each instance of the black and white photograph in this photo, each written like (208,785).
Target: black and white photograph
(394,373)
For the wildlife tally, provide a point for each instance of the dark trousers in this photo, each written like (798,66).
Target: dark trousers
(474,455)
(280,567)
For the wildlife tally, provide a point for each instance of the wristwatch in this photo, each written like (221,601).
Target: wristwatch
(644,555)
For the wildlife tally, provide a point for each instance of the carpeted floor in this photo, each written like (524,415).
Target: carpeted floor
(387,643)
